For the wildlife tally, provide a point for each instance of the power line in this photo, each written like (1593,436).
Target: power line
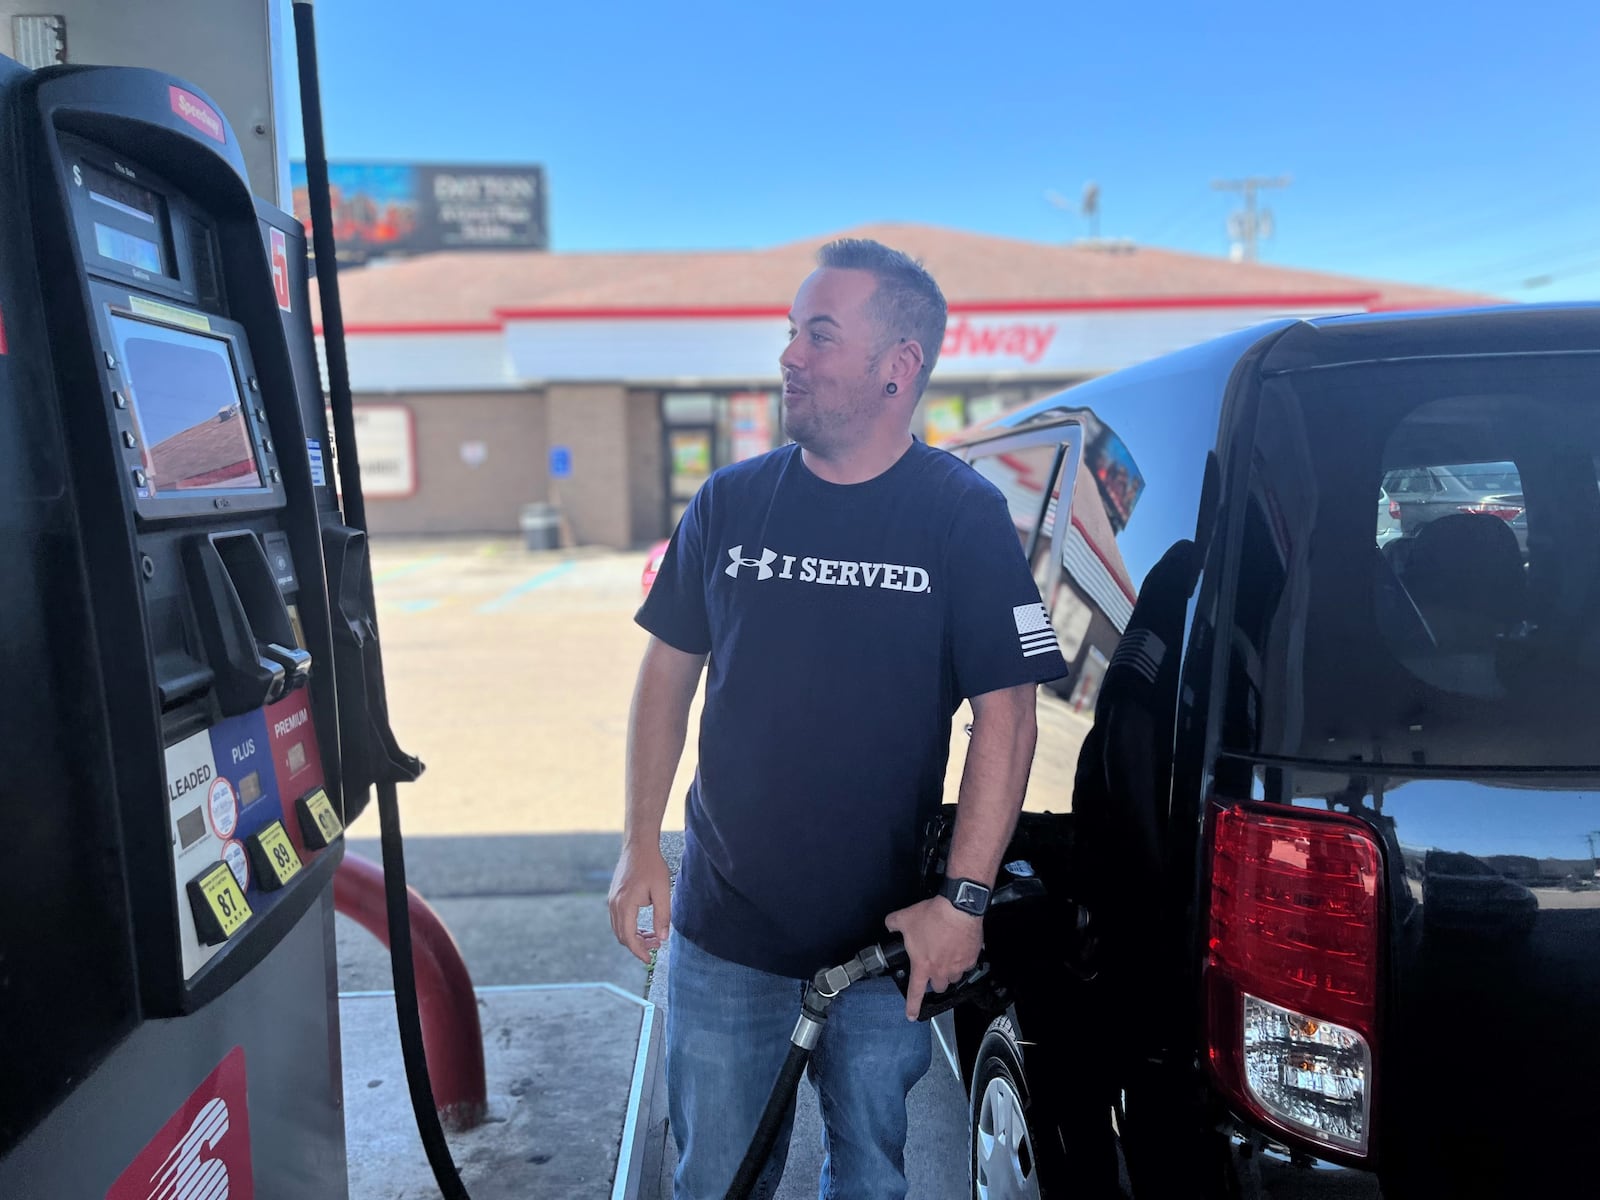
(1495,219)
(1186,216)
(1576,271)
(1515,267)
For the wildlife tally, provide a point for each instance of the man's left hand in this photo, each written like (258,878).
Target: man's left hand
(941,942)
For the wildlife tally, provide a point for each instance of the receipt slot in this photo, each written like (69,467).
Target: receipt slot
(172,752)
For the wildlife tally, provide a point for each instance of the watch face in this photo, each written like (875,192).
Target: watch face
(970,897)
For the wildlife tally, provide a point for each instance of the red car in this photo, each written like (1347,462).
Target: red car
(652,564)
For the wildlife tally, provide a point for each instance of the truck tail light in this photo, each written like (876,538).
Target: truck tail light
(1506,512)
(1394,509)
(1292,971)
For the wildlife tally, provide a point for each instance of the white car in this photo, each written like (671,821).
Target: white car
(1388,519)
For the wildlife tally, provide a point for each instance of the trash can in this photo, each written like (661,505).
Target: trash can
(541,527)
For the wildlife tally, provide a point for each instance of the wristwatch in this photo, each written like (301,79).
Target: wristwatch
(967,896)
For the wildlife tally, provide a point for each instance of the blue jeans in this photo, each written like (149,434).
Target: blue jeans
(728,1030)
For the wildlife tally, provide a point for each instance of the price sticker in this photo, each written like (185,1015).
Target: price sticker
(221,910)
(274,855)
(319,823)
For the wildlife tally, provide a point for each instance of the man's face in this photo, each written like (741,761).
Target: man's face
(832,393)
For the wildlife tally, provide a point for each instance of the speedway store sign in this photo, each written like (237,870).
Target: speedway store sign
(676,347)
(1027,342)
(710,345)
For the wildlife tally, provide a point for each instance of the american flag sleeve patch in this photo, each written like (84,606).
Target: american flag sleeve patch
(1033,630)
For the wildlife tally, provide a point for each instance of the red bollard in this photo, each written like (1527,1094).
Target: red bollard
(452,1038)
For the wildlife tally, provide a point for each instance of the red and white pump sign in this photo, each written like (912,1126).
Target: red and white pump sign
(203,1151)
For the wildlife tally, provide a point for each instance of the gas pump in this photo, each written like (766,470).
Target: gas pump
(194,707)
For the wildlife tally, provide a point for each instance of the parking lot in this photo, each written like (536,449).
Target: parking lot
(510,672)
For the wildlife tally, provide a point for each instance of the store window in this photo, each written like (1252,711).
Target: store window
(943,417)
(704,431)
(945,413)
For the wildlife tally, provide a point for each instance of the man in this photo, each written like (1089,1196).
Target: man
(848,592)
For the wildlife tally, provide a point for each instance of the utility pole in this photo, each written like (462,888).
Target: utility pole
(1247,227)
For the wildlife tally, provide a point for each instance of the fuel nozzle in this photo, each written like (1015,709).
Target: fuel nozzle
(883,959)
(888,958)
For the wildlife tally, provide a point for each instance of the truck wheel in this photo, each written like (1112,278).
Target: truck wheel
(1004,1159)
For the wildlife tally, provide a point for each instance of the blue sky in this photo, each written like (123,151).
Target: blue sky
(1439,142)
(1480,821)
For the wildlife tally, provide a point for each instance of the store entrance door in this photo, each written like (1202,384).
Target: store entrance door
(691,456)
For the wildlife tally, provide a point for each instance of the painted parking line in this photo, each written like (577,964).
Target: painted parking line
(507,599)
(409,568)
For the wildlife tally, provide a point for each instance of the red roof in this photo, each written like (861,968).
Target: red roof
(474,290)
(213,452)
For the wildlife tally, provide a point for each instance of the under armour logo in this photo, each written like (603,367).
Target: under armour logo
(763,564)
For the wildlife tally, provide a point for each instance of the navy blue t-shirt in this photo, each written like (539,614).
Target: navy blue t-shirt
(844,624)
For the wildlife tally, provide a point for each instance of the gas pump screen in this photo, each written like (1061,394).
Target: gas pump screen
(187,404)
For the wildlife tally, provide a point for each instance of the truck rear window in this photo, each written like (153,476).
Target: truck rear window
(1421,566)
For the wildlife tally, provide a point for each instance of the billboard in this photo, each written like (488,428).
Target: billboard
(416,208)
(1118,475)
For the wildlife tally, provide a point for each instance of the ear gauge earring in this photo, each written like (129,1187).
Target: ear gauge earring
(891,387)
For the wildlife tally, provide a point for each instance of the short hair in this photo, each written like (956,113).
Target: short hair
(907,303)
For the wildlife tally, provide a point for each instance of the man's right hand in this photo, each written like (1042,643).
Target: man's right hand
(640,880)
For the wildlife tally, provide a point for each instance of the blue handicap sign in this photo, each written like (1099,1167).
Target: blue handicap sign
(560,462)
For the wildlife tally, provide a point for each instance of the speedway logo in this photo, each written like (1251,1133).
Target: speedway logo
(834,571)
(1024,340)
(198,113)
(203,1151)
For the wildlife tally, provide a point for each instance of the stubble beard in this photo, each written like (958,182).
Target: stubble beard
(827,433)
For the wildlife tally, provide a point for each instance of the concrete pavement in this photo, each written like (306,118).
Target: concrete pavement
(530,910)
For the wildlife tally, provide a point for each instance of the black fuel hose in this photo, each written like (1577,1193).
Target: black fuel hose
(407,1010)
(766,1135)
(820,993)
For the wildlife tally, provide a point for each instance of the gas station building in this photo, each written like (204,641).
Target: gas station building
(612,384)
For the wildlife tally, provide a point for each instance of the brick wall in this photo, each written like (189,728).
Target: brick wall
(457,492)
(591,421)
(647,481)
